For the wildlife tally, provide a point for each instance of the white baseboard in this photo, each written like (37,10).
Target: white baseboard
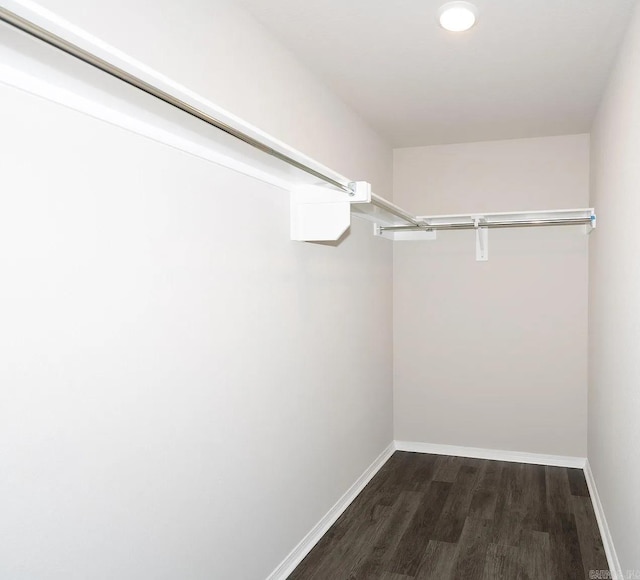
(495,454)
(311,539)
(609,549)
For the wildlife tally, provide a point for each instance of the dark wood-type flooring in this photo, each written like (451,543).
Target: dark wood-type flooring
(440,517)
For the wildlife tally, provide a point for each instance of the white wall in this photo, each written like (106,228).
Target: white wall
(493,354)
(614,303)
(180,382)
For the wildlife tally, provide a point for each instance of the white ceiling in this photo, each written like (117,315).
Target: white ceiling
(528,68)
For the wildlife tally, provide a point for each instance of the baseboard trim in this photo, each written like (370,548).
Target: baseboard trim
(311,539)
(495,454)
(607,540)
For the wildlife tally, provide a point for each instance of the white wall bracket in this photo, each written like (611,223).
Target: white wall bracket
(482,239)
(324,214)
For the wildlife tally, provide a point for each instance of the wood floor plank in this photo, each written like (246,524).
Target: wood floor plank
(508,516)
(577,482)
(591,547)
(503,563)
(386,539)
(535,551)
(427,516)
(456,509)
(409,553)
(438,561)
(536,512)
(557,489)
(401,471)
(563,534)
(485,498)
(514,484)
(507,529)
(565,547)
(472,549)
(425,471)
(447,468)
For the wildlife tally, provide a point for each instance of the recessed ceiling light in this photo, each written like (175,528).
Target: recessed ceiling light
(457,16)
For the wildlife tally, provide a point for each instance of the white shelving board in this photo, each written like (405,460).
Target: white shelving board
(481,223)
(497,217)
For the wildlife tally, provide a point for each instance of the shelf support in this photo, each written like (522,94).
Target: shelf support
(320,214)
(482,239)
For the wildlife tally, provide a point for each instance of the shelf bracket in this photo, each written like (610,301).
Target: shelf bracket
(321,214)
(482,239)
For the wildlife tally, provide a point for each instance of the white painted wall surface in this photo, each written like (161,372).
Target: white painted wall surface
(179,381)
(614,303)
(219,50)
(493,354)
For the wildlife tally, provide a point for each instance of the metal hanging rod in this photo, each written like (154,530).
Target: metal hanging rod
(396,211)
(34,30)
(492,224)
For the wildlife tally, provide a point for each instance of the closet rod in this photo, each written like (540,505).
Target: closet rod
(33,29)
(494,224)
(393,209)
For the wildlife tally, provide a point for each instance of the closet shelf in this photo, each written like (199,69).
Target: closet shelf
(58,61)
(511,219)
(483,222)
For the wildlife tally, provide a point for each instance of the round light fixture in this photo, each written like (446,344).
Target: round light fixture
(457,16)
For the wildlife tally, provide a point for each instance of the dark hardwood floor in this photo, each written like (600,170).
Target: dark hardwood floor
(439,517)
